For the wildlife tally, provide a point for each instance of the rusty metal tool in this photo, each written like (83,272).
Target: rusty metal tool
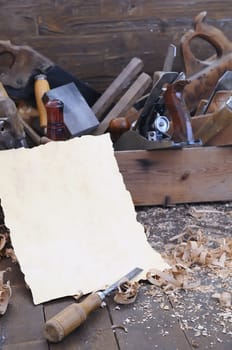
(66,321)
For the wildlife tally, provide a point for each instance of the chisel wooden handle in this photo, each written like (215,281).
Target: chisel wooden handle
(41,86)
(70,318)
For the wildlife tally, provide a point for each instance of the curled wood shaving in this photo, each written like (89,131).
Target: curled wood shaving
(196,251)
(78,295)
(174,278)
(224,298)
(119,326)
(127,292)
(193,249)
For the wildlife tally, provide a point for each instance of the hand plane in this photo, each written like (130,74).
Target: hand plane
(164,121)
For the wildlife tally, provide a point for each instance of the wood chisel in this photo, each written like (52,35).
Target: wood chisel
(66,321)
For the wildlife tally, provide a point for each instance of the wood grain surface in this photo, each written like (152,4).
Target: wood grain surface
(163,177)
(94,40)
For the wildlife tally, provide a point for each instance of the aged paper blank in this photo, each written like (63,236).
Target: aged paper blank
(73,224)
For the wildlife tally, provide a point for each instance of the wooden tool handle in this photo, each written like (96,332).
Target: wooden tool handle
(70,318)
(210,34)
(41,86)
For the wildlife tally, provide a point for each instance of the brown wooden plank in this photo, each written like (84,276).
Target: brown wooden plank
(33,345)
(213,124)
(121,82)
(135,91)
(66,32)
(147,325)
(205,323)
(21,326)
(95,333)
(200,174)
(221,138)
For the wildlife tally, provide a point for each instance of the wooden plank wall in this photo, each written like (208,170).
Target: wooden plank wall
(95,39)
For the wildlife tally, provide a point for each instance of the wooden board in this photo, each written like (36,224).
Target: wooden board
(222,138)
(95,39)
(163,177)
(149,324)
(21,328)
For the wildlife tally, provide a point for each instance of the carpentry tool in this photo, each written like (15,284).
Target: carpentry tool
(145,134)
(41,86)
(118,127)
(177,110)
(32,134)
(135,91)
(164,104)
(203,75)
(169,58)
(210,34)
(213,123)
(25,63)
(66,321)
(154,104)
(78,116)
(116,88)
(223,84)
(12,134)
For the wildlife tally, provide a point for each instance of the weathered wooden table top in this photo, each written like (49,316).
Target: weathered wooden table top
(141,325)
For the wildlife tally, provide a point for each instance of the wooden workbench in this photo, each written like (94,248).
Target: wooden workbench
(142,325)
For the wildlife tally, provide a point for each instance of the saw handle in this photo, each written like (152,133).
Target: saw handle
(214,36)
(67,320)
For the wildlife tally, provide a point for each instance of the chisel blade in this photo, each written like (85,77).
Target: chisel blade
(128,276)
(169,59)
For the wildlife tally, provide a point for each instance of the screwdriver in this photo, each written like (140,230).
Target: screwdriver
(67,320)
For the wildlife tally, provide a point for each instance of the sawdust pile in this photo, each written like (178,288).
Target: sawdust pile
(191,251)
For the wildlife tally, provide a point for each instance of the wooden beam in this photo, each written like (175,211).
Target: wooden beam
(121,82)
(162,177)
(135,91)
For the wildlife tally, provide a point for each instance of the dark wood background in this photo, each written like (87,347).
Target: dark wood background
(95,39)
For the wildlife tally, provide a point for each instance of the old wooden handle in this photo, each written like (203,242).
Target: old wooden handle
(41,86)
(66,321)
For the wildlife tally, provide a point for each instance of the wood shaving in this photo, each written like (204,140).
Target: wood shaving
(127,292)
(224,298)
(191,251)
(119,326)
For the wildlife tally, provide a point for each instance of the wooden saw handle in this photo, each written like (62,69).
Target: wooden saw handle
(210,34)
(66,321)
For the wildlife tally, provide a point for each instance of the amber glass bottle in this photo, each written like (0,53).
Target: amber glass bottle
(56,130)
